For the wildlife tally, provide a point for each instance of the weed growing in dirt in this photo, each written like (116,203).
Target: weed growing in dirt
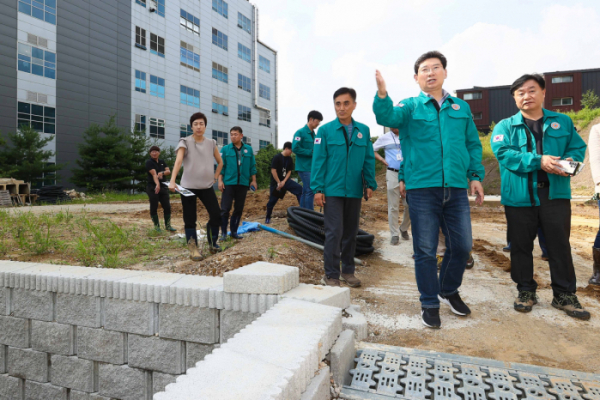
(582,118)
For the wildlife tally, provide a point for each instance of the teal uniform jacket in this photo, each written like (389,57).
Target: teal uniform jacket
(439,149)
(338,167)
(302,146)
(247,167)
(519,161)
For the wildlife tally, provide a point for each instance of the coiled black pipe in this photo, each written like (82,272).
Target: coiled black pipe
(310,225)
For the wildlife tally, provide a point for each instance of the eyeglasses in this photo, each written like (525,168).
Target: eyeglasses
(428,70)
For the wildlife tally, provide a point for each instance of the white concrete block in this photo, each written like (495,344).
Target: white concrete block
(6,267)
(318,389)
(356,322)
(261,278)
(193,290)
(150,286)
(101,283)
(327,295)
(218,377)
(215,297)
(42,277)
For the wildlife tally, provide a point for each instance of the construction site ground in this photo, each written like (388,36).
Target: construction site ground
(388,296)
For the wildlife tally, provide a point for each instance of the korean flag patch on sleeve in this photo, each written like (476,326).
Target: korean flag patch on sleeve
(318,140)
(297,138)
(498,138)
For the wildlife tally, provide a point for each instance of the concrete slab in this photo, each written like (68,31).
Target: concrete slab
(6,267)
(327,295)
(38,276)
(356,322)
(261,278)
(193,290)
(318,389)
(150,286)
(342,358)
(102,281)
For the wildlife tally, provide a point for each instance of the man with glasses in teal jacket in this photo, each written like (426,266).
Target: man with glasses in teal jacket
(302,146)
(442,158)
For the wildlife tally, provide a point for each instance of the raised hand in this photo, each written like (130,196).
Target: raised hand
(381,89)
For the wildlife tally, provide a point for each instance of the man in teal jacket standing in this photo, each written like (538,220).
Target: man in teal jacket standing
(442,158)
(536,192)
(302,146)
(343,165)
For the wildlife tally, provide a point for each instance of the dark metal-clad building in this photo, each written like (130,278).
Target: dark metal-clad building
(564,90)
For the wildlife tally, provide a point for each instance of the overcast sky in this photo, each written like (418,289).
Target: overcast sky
(323,45)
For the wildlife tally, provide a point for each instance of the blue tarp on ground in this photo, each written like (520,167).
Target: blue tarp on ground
(247,227)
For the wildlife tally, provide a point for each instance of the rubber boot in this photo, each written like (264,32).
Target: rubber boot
(595,279)
(234,225)
(168,226)
(191,238)
(268,217)
(224,220)
(212,235)
(156,223)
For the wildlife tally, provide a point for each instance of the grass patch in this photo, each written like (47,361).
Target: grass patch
(582,118)
(486,147)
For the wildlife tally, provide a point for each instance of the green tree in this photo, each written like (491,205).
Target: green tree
(590,100)
(263,166)
(139,144)
(24,157)
(105,159)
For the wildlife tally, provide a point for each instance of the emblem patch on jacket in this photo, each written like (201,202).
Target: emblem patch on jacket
(555,125)
(318,140)
(498,138)
(455,107)
(359,135)
(297,138)
(245,151)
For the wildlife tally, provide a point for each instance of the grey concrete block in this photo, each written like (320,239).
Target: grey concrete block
(130,316)
(234,321)
(53,338)
(33,304)
(3,351)
(79,310)
(14,332)
(77,395)
(356,322)
(3,300)
(73,373)
(124,383)
(11,387)
(102,345)
(192,324)
(156,354)
(28,364)
(327,295)
(195,352)
(343,353)
(44,391)
(160,381)
(261,277)
(318,389)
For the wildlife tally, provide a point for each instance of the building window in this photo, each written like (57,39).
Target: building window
(141,2)
(220,106)
(222,138)
(140,123)
(40,9)
(244,52)
(264,64)
(157,128)
(157,45)
(264,118)
(473,96)
(185,130)
(36,61)
(263,144)
(140,38)
(244,113)
(160,9)
(565,101)
(221,7)
(244,83)
(219,72)
(247,140)
(190,22)
(189,96)
(140,81)
(47,178)
(157,86)
(562,79)
(219,38)
(244,22)
(264,91)
(477,116)
(40,118)
(188,58)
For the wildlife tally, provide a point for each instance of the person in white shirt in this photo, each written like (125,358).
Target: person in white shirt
(594,146)
(390,142)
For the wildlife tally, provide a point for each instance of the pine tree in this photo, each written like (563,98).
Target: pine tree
(24,157)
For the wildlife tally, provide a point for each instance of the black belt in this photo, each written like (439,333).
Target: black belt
(392,169)
(541,185)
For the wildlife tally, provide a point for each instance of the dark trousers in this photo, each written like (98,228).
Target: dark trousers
(342,216)
(291,186)
(232,195)
(210,202)
(554,217)
(162,197)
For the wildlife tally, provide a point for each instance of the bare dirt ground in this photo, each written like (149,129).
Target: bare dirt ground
(389,297)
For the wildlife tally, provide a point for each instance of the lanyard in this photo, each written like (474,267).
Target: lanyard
(394,139)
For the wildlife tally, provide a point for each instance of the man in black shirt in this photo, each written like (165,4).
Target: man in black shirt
(157,192)
(281,170)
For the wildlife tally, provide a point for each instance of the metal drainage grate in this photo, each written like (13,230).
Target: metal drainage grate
(384,372)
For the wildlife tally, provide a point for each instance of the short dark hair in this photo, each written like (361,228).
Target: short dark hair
(153,148)
(196,116)
(427,56)
(345,90)
(237,128)
(287,145)
(315,115)
(521,81)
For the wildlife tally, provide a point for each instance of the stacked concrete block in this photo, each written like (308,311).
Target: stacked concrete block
(3,351)
(261,278)
(52,337)
(123,382)
(28,364)
(32,304)
(44,391)
(77,395)
(11,387)
(73,373)
(14,332)
(130,316)
(342,358)
(195,352)
(102,345)
(156,354)
(79,310)
(4,293)
(234,321)
(192,324)
(327,295)
(319,386)
(160,381)
(356,321)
